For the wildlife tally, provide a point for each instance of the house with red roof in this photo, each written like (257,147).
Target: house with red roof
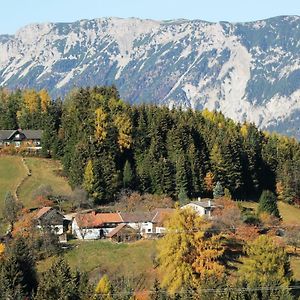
(93,225)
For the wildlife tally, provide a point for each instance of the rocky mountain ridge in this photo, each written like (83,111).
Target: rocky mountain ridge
(249,71)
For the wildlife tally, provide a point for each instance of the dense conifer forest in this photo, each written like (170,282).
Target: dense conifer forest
(107,145)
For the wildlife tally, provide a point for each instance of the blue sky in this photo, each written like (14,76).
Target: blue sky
(17,13)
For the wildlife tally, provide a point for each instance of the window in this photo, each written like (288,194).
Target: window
(149,229)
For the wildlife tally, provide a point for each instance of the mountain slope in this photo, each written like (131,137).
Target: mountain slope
(249,71)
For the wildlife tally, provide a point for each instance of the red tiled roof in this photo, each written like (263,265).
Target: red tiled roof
(93,219)
(42,211)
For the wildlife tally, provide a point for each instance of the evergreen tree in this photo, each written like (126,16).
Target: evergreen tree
(18,270)
(218,190)
(11,209)
(268,204)
(58,283)
(127,175)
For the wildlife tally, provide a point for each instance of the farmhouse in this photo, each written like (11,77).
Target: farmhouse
(31,139)
(92,225)
(119,226)
(201,207)
(50,217)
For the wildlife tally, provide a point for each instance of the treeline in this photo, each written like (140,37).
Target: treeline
(106,145)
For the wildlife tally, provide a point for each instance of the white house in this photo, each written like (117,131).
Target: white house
(92,225)
(201,207)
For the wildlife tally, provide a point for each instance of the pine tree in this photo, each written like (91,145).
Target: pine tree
(127,175)
(18,270)
(218,190)
(268,204)
(58,283)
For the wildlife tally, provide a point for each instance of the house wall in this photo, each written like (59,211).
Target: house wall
(197,208)
(57,229)
(89,233)
(144,227)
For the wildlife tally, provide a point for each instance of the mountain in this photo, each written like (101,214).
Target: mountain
(249,71)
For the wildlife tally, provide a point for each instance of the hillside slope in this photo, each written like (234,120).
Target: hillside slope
(249,71)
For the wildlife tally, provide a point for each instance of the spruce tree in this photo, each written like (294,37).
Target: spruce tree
(268,203)
(218,190)
(127,175)
(58,283)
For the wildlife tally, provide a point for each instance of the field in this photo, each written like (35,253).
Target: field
(43,173)
(133,261)
(12,172)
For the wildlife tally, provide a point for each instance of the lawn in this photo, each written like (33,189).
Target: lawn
(12,172)
(43,173)
(131,260)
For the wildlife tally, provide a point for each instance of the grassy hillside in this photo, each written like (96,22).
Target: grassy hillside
(12,172)
(43,172)
(100,257)
(289,213)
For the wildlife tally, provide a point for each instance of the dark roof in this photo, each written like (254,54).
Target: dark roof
(33,134)
(42,211)
(136,217)
(30,134)
(116,230)
(6,134)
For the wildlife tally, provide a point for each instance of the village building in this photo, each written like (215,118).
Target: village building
(203,207)
(50,217)
(124,233)
(93,225)
(120,226)
(30,139)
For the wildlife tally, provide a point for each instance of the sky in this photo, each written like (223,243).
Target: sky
(17,13)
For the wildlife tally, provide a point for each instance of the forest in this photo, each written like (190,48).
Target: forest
(107,145)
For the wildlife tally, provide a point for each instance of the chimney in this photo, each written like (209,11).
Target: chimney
(209,202)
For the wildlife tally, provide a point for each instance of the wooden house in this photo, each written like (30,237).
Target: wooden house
(30,139)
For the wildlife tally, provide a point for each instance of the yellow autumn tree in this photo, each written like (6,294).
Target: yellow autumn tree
(209,181)
(103,289)
(2,249)
(88,178)
(244,130)
(265,263)
(100,124)
(124,126)
(186,255)
(31,100)
(45,100)
(280,191)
